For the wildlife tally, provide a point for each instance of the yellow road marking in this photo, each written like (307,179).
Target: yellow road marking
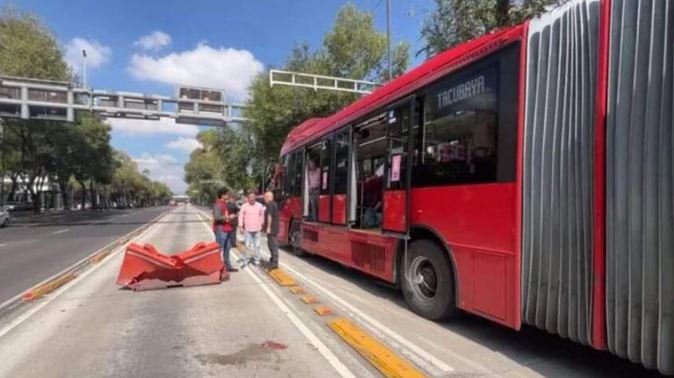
(382,358)
(48,287)
(323,310)
(97,258)
(282,278)
(298,290)
(310,299)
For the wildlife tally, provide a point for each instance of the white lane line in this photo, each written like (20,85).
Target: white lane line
(61,231)
(3,245)
(332,359)
(50,298)
(421,353)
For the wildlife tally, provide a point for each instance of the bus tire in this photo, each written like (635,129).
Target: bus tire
(295,238)
(428,283)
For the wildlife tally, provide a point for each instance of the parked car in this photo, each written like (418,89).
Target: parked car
(18,206)
(4,218)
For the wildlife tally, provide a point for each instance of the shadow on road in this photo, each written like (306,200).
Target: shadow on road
(529,347)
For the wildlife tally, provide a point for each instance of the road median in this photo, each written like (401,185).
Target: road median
(54,282)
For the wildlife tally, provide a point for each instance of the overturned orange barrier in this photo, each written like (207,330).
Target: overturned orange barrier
(146,268)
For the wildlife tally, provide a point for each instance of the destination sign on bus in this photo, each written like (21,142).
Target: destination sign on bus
(475,91)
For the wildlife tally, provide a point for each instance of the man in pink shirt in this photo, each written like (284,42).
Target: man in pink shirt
(251,218)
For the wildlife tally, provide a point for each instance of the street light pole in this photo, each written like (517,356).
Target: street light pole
(388,38)
(84,68)
(2,164)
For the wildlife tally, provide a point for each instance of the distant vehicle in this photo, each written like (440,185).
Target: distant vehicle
(18,206)
(4,218)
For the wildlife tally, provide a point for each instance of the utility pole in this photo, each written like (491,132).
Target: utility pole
(84,68)
(2,164)
(388,38)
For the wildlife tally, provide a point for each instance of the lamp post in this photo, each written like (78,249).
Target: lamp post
(84,68)
(388,39)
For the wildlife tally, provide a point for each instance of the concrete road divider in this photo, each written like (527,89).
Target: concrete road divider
(145,268)
(381,357)
(282,278)
(47,287)
(310,299)
(95,259)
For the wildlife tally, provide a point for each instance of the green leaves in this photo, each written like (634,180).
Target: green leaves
(456,21)
(351,49)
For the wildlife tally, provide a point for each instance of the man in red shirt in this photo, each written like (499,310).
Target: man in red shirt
(222,227)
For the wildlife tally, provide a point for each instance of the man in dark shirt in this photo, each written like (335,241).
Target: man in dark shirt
(271,226)
(233,209)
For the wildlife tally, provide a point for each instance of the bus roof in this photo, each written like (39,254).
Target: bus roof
(403,85)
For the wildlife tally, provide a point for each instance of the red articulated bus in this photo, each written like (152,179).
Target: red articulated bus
(525,176)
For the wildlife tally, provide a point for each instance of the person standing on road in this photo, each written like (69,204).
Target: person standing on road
(251,217)
(271,226)
(233,210)
(222,227)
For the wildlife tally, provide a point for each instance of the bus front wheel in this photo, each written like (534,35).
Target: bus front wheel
(296,239)
(428,282)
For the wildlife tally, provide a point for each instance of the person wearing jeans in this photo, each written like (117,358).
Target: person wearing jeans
(251,218)
(271,227)
(222,227)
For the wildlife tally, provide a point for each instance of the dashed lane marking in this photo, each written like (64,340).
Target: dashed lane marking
(61,231)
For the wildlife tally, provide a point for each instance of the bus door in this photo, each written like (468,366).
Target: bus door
(396,198)
(340,182)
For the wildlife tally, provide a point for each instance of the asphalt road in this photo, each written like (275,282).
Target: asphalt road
(92,328)
(33,249)
(235,329)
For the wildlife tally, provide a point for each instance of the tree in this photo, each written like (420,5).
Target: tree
(352,49)
(456,21)
(28,48)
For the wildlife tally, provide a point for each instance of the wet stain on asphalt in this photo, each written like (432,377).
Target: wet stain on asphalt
(264,352)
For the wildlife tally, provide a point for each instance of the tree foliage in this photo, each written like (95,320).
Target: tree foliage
(457,21)
(240,158)
(72,155)
(353,48)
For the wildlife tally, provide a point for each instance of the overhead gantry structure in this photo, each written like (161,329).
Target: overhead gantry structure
(28,98)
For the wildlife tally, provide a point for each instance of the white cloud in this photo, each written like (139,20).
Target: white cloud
(97,54)
(228,69)
(184,144)
(140,127)
(164,168)
(153,41)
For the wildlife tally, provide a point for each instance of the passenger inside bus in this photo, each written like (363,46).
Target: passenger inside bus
(373,187)
(372,144)
(313,181)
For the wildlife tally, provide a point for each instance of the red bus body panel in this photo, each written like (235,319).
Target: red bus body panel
(599,260)
(292,210)
(369,252)
(477,223)
(395,206)
(324,208)
(339,209)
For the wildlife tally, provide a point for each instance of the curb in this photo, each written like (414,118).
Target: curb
(47,287)
(68,274)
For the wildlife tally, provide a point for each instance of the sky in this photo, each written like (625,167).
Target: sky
(150,46)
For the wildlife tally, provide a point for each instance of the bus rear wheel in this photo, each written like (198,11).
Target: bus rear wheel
(296,239)
(428,282)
